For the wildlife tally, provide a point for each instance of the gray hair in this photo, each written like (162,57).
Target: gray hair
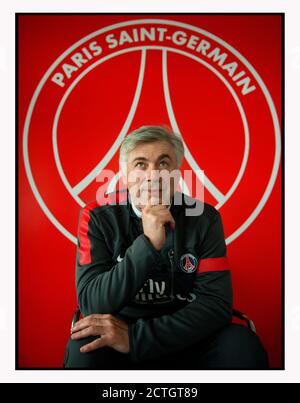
(148,134)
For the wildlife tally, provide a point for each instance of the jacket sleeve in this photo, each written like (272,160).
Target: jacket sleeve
(101,285)
(211,310)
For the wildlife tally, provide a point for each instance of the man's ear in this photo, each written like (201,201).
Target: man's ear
(123,169)
(124,179)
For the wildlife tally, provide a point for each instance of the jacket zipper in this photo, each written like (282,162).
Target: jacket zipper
(171,258)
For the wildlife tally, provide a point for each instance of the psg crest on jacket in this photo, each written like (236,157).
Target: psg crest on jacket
(188,263)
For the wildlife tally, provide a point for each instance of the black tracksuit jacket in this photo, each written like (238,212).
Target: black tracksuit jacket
(171,299)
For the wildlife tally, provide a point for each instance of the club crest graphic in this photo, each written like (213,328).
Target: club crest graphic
(188,263)
(152,71)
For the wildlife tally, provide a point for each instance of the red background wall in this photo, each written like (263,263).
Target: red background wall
(90,120)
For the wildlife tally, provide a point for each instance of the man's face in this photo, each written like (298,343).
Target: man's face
(149,166)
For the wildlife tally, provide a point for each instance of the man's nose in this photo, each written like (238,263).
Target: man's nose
(152,175)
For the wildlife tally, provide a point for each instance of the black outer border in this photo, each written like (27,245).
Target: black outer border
(17,128)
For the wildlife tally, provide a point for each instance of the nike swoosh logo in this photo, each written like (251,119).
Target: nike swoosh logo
(119,258)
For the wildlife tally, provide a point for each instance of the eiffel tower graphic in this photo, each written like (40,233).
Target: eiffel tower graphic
(188,264)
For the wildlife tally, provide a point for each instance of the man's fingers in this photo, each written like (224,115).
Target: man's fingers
(80,325)
(98,343)
(161,213)
(167,218)
(92,319)
(94,323)
(154,207)
(88,331)
(98,316)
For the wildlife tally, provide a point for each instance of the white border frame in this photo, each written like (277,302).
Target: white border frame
(292,147)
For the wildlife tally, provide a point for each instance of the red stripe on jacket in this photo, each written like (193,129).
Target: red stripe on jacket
(213,264)
(84,241)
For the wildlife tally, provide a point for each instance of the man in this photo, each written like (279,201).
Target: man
(152,279)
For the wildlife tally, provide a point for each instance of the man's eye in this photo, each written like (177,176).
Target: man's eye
(140,165)
(164,163)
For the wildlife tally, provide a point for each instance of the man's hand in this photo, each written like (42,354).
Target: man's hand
(154,219)
(112,332)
